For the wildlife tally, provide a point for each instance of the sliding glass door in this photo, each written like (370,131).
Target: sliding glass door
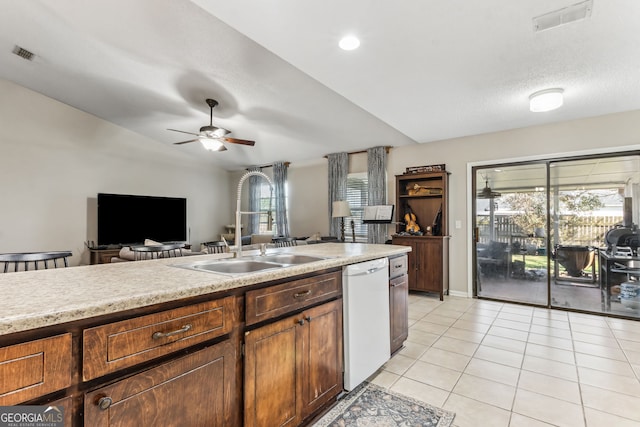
(587,201)
(510,222)
(560,233)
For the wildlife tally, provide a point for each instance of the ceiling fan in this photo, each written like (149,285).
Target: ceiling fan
(212,137)
(487,192)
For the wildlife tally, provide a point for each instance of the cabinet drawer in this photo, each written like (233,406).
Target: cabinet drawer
(34,368)
(398,266)
(111,347)
(399,281)
(267,303)
(194,390)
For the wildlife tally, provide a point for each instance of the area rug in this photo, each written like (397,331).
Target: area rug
(372,406)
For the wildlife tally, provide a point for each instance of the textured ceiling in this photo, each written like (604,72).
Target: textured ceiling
(426,70)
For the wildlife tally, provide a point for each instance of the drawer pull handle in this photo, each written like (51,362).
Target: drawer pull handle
(398,266)
(158,335)
(104,403)
(302,294)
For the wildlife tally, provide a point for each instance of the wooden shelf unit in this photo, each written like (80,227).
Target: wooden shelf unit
(425,194)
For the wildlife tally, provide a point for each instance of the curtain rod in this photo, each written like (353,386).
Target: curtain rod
(387,149)
(270,166)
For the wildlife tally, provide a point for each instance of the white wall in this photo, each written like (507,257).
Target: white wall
(602,134)
(54,159)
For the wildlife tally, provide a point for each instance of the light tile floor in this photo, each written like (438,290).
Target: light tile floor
(499,364)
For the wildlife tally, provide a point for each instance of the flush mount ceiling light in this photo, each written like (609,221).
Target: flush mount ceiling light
(545,100)
(349,43)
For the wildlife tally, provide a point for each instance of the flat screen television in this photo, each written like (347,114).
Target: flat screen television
(127,219)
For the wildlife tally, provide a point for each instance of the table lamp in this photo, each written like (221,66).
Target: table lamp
(341,210)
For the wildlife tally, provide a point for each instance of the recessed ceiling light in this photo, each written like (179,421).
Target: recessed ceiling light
(349,43)
(545,100)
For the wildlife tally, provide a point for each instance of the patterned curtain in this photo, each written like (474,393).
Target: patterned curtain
(338,170)
(377,178)
(280,184)
(255,182)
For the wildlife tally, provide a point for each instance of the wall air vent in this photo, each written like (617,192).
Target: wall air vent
(575,12)
(23,53)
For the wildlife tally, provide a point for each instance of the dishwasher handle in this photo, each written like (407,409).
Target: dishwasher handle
(367,272)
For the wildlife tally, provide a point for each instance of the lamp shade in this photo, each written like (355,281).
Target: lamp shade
(341,209)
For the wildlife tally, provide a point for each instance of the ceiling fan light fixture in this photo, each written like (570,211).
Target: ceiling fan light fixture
(211,144)
(546,100)
(220,132)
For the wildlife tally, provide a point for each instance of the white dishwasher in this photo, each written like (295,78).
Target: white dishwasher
(367,347)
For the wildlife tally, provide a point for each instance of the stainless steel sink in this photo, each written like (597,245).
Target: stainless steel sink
(288,259)
(234,267)
(246,265)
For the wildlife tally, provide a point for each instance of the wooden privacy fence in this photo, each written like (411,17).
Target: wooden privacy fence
(572,230)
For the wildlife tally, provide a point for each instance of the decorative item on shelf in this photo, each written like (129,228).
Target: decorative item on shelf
(418,190)
(437,223)
(428,231)
(411,226)
(341,209)
(422,169)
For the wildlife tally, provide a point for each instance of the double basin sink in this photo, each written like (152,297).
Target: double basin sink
(252,264)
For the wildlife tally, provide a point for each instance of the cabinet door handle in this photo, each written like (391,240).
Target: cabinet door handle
(302,294)
(301,322)
(308,319)
(158,335)
(104,403)
(393,285)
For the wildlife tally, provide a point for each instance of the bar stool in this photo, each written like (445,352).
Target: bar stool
(143,252)
(284,242)
(216,247)
(33,258)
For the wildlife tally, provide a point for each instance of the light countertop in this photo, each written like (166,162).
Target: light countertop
(41,298)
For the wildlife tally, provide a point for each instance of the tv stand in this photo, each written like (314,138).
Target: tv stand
(102,256)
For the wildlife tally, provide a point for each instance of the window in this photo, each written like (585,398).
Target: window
(265,203)
(358,198)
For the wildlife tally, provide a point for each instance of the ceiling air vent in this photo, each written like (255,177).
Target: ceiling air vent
(23,53)
(575,12)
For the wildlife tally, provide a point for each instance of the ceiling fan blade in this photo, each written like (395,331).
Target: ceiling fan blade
(239,141)
(181,131)
(185,142)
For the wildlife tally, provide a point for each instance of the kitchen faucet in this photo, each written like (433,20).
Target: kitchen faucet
(238,230)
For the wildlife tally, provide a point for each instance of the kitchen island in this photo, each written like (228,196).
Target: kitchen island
(116,344)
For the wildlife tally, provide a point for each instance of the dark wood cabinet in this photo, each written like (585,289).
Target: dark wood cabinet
(32,369)
(102,256)
(398,311)
(428,263)
(179,363)
(425,195)
(193,390)
(293,366)
(398,302)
